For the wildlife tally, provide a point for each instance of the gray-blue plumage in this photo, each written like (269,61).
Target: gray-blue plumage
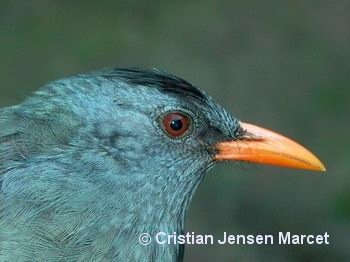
(85,166)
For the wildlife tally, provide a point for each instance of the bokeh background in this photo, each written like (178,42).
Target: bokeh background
(281,64)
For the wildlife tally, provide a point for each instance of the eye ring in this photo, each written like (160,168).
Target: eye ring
(176,124)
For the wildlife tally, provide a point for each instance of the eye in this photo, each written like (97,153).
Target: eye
(176,124)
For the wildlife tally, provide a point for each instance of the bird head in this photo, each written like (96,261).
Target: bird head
(151,119)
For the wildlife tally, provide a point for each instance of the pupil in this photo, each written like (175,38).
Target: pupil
(176,125)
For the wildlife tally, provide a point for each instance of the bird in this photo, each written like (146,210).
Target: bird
(90,162)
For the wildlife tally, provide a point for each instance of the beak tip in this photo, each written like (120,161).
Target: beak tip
(318,168)
(318,165)
(323,168)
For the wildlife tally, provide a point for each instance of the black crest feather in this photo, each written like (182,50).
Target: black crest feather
(154,78)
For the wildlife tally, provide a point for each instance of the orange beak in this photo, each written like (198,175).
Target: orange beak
(263,146)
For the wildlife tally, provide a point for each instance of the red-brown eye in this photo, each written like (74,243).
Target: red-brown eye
(176,124)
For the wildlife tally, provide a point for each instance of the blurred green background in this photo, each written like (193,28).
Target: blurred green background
(280,64)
